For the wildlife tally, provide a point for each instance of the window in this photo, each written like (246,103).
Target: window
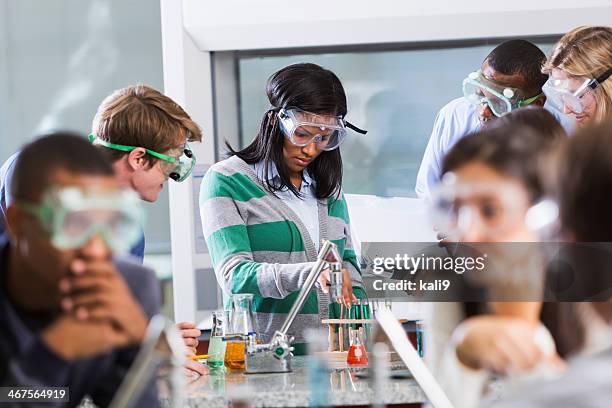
(394,94)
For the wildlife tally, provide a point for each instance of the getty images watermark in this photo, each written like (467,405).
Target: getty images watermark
(485,272)
(411,264)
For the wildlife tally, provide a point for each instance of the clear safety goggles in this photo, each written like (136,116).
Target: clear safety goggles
(303,128)
(569,92)
(177,167)
(72,216)
(493,209)
(478,90)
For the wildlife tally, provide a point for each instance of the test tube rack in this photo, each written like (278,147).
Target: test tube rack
(340,329)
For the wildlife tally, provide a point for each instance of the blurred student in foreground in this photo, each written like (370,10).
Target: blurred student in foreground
(70,314)
(585,217)
(491,181)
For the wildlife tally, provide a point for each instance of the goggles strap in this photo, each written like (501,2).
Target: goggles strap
(346,123)
(601,78)
(355,128)
(529,101)
(123,148)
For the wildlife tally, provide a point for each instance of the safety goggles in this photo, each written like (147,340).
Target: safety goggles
(493,209)
(303,128)
(72,216)
(177,167)
(478,90)
(563,93)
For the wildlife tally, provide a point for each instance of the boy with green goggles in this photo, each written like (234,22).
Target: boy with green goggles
(176,167)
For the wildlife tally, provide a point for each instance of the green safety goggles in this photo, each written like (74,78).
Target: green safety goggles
(478,90)
(177,168)
(72,216)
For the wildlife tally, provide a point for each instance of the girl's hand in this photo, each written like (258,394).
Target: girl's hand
(347,286)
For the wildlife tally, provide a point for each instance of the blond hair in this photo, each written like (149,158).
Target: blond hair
(586,51)
(141,116)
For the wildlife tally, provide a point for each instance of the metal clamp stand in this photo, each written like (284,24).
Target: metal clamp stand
(275,357)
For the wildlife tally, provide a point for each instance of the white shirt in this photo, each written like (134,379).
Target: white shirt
(456,119)
(305,207)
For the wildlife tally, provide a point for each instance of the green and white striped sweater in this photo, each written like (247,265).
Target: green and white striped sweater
(259,245)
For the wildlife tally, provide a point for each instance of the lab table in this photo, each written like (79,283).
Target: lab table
(220,387)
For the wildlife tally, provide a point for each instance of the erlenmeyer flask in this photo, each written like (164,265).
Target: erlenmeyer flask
(357,354)
(242,313)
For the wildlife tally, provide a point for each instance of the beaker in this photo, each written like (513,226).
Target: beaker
(241,316)
(216,347)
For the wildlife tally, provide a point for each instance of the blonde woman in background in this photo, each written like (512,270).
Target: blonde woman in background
(580,67)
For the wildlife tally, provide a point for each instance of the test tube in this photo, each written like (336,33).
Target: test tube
(420,332)
(374,308)
(341,330)
(357,313)
(365,314)
(351,315)
(365,309)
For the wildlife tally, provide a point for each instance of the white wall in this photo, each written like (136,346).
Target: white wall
(258,24)
(187,79)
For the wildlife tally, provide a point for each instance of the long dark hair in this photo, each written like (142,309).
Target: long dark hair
(585,183)
(310,88)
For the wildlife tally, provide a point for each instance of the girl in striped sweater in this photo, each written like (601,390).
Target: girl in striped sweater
(267,207)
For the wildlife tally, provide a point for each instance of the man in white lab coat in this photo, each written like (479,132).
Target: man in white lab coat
(510,77)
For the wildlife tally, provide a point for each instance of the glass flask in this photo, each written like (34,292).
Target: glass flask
(216,347)
(357,354)
(241,316)
(241,313)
